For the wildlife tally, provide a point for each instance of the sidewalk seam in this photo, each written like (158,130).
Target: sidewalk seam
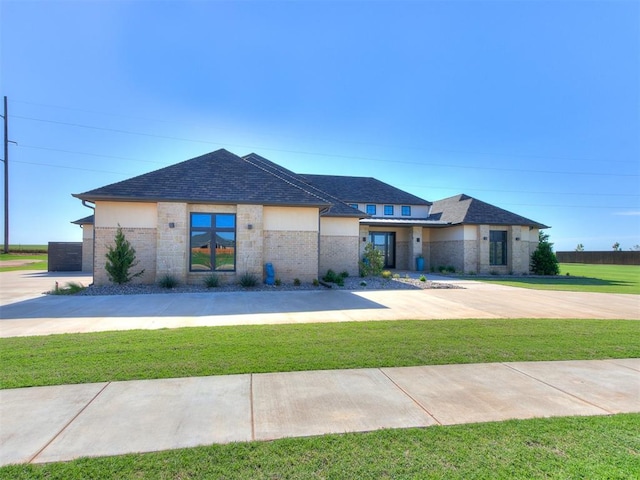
(558,389)
(68,423)
(253,423)
(411,397)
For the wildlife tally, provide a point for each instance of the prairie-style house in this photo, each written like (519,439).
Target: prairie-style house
(231,215)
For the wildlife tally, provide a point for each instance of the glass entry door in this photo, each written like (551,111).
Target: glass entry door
(386,243)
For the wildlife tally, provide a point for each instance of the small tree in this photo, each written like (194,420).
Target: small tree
(372,262)
(120,258)
(616,247)
(580,248)
(543,260)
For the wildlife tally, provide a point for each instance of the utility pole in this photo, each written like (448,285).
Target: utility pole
(6,177)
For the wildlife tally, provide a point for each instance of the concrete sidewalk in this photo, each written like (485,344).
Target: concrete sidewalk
(45,315)
(60,423)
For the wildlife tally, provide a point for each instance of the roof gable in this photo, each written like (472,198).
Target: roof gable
(465,209)
(216,177)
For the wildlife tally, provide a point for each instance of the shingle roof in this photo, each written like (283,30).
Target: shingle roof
(84,221)
(216,177)
(337,209)
(363,190)
(465,209)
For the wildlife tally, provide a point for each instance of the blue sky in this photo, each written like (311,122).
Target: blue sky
(532,106)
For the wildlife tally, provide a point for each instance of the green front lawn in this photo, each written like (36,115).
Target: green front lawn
(185,352)
(580,277)
(574,447)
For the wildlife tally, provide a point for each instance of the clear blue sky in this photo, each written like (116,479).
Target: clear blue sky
(532,106)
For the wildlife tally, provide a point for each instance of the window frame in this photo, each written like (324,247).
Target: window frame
(371,209)
(386,209)
(498,248)
(212,231)
(405,210)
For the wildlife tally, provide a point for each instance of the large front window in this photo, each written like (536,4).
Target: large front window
(497,247)
(213,242)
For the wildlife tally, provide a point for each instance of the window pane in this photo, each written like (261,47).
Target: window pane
(406,210)
(225,251)
(388,209)
(200,250)
(200,220)
(225,220)
(371,209)
(498,247)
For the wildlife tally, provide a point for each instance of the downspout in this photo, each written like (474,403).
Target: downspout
(93,240)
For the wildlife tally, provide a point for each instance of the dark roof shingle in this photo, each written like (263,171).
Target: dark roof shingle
(216,177)
(465,209)
(362,190)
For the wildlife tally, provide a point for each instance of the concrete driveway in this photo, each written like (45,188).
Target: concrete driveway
(31,313)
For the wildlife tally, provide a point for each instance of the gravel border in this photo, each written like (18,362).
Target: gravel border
(350,284)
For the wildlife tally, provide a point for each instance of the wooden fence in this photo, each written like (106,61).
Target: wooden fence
(605,258)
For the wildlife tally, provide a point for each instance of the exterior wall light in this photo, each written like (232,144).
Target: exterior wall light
(484,238)
(364,239)
(172,225)
(517,239)
(417,240)
(249,227)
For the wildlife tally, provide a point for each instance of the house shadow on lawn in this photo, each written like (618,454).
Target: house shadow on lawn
(186,304)
(566,283)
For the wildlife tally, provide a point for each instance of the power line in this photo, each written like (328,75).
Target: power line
(348,157)
(590,194)
(71,168)
(404,147)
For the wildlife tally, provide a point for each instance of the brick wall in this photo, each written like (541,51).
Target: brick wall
(144,242)
(339,254)
(447,253)
(87,248)
(293,254)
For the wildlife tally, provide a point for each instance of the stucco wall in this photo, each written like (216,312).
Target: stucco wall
(126,214)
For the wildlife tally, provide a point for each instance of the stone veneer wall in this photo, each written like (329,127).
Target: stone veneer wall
(172,246)
(339,254)
(294,254)
(143,240)
(250,241)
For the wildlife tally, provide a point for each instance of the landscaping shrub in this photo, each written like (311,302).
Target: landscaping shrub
(120,259)
(333,277)
(248,280)
(168,281)
(372,263)
(70,289)
(543,260)
(422,278)
(296,282)
(344,274)
(386,274)
(212,281)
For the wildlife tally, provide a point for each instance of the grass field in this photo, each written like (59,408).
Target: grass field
(562,448)
(185,352)
(40,264)
(581,278)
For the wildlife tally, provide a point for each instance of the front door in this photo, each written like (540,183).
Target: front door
(386,243)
